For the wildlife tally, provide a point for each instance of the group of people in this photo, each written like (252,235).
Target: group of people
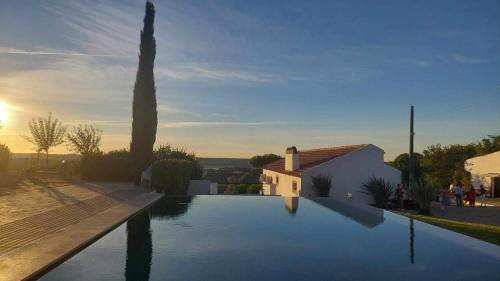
(457,190)
(468,195)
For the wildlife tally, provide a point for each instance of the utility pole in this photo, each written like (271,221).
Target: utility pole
(411,174)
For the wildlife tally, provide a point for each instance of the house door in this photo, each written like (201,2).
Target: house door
(496,187)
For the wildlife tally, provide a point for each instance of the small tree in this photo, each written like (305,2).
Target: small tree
(261,160)
(423,194)
(4,157)
(84,139)
(322,184)
(380,190)
(45,134)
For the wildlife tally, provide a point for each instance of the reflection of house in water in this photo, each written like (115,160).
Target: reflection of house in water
(367,216)
(291,204)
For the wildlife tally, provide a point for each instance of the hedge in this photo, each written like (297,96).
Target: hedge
(172,176)
(105,167)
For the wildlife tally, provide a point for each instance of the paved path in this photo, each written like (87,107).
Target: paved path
(483,215)
(42,225)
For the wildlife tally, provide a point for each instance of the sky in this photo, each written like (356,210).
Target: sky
(240,78)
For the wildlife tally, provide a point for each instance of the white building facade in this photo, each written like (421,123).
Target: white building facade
(485,170)
(349,167)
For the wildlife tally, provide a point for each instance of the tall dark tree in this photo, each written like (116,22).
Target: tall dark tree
(145,116)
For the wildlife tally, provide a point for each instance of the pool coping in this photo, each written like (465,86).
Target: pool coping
(102,223)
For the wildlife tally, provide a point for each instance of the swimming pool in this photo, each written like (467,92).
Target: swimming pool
(275,238)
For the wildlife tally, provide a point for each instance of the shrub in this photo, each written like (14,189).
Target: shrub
(423,194)
(261,160)
(254,188)
(164,152)
(380,190)
(322,184)
(172,176)
(4,157)
(106,167)
(236,189)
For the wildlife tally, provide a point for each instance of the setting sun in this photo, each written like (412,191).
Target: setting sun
(4,115)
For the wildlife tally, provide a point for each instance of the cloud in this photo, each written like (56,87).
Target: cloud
(217,124)
(201,72)
(13,51)
(107,123)
(467,60)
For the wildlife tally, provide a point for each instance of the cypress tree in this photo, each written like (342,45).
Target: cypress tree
(144,113)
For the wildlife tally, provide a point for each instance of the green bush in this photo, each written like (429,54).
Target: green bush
(106,167)
(380,190)
(322,184)
(164,152)
(236,189)
(261,160)
(4,157)
(254,188)
(172,176)
(424,195)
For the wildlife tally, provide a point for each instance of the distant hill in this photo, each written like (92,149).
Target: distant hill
(209,163)
(214,163)
(42,156)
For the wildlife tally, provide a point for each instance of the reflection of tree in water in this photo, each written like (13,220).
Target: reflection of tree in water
(170,207)
(139,243)
(139,248)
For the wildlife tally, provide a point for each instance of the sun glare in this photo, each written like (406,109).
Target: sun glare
(4,115)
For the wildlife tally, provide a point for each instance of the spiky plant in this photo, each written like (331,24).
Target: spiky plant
(380,190)
(423,194)
(45,134)
(322,184)
(145,116)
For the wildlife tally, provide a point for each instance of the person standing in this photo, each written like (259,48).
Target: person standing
(399,196)
(458,194)
(482,195)
(471,196)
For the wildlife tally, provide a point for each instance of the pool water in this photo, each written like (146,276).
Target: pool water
(275,238)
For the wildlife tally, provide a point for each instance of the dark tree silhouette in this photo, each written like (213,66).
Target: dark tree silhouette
(145,116)
(139,248)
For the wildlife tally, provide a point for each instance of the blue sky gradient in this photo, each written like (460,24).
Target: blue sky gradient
(239,78)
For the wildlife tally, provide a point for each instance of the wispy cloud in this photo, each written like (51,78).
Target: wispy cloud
(218,124)
(13,51)
(200,72)
(107,123)
(466,60)
(176,110)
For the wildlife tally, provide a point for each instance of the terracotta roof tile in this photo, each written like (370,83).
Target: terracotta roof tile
(311,158)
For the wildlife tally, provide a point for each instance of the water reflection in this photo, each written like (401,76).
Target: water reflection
(139,248)
(291,204)
(367,217)
(170,207)
(412,238)
(139,245)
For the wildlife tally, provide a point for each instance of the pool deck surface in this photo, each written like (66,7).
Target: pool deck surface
(42,224)
(484,215)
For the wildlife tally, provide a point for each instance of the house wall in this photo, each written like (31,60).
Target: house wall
(283,188)
(349,172)
(483,169)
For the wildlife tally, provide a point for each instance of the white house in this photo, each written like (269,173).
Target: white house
(485,170)
(349,167)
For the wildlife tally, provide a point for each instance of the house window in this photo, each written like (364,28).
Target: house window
(277,179)
(294,186)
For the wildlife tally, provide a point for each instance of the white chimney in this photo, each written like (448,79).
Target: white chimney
(292,159)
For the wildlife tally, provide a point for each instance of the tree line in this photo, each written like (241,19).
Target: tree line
(441,165)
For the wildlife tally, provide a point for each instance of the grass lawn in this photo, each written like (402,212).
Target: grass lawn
(488,233)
